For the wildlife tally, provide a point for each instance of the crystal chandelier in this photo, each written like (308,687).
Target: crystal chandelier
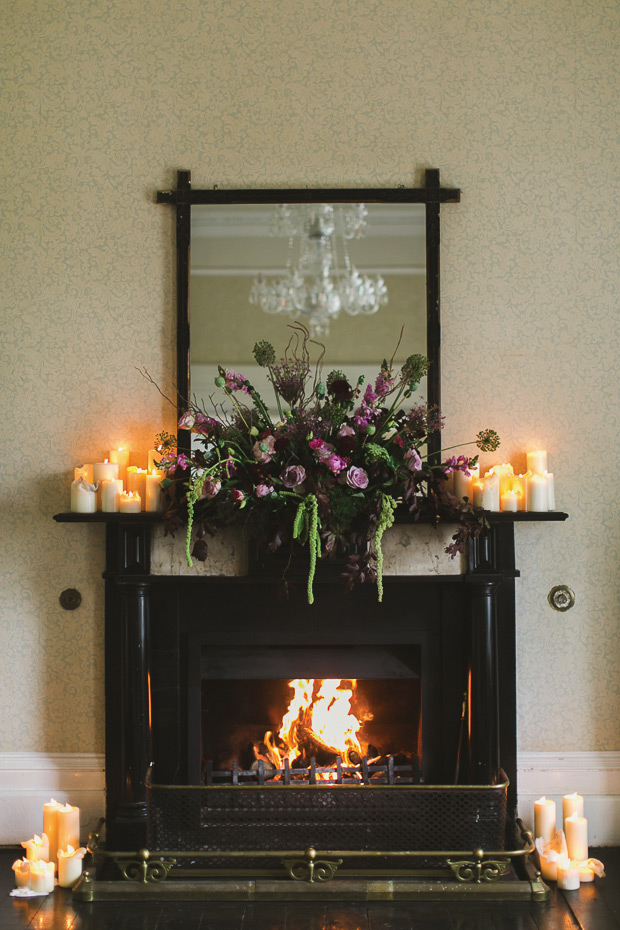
(322,281)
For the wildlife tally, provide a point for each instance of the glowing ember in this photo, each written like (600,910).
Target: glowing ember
(318,718)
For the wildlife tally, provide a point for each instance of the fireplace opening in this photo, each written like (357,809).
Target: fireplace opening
(345,714)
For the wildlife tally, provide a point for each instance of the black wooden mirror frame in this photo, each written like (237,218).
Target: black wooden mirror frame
(183,198)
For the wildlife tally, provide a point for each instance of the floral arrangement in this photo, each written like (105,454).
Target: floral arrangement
(328,471)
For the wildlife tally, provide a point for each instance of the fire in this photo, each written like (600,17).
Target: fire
(318,718)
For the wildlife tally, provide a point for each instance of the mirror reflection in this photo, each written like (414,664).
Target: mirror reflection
(354,274)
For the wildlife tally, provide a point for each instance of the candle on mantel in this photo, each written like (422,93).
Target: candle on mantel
(509,501)
(463,484)
(68,826)
(83,497)
(70,865)
(536,494)
(477,489)
(544,819)
(568,875)
(50,826)
(85,472)
(136,481)
(154,501)
(576,829)
(21,867)
(41,877)
(550,490)
(154,458)
(572,804)
(537,462)
(130,502)
(103,471)
(490,492)
(111,491)
(120,457)
(37,848)
(505,472)
(518,484)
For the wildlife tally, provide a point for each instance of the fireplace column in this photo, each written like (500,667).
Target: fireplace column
(484,762)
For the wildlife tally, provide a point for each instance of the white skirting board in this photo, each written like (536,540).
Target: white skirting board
(28,779)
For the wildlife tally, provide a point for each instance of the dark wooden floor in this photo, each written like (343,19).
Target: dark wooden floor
(593,907)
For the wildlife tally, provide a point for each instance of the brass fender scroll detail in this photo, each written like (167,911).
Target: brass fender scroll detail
(479,870)
(310,869)
(141,870)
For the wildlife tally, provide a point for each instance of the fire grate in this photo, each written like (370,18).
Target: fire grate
(366,773)
(252,818)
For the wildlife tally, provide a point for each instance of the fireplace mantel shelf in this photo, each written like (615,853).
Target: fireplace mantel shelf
(552,516)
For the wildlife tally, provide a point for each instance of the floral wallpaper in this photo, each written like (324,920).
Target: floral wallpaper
(516,103)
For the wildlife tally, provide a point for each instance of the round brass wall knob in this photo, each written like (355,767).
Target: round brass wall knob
(561,597)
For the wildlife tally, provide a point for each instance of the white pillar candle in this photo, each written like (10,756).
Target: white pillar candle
(505,472)
(21,867)
(120,457)
(85,472)
(550,490)
(50,826)
(68,826)
(576,829)
(536,494)
(111,491)
(544,819)
(518,484)
(130,502)
(154,501)
(549,867)
(136,481)
(586,874)
(537,462)
(70,866)
(477,489)
(572,804)
(509,501)
(39,848)
(154,458)
(103,471)
(41,877)
(568,875)
(83,497)
(463,484)
(490,492)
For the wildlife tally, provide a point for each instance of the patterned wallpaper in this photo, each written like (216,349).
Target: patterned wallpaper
(516,103)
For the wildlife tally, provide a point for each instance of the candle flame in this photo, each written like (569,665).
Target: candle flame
(574,816)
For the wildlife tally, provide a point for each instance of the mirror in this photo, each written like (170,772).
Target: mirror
(355,274)
(244,323)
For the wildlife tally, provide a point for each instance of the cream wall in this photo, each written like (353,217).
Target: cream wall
(516,103)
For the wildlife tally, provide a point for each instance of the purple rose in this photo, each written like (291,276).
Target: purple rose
(187,420)
(293,476)
(263,449)
(322,450)
(210,488)
(263,490)
(357,478)
(336,464)
(413,460)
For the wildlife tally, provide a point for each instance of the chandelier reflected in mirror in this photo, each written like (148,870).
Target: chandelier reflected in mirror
(320,280)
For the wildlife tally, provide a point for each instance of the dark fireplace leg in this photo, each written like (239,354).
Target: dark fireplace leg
(483,687)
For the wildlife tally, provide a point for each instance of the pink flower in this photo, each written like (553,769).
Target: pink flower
(336,464)
(323,450)
(293,476)
(357,478)
(237,496)
(187,420)
(263,490)
(263,450)
(346,431)
(210,488)
(413,460)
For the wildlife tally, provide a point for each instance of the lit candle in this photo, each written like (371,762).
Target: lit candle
(21,867)
(544,818)
(477,489)
(103,471)
(536,494)
(50,826)
(70,865)
(568,875)
(68,826)
(509,501)
(130,502)
(537,462)
(39,848)
(589,868)
(120,457)
(505,472)
(154,458)
(576,829)
(111,494)
(490,492)
(463,484)
(83,497)
(154,500)
(549,866)
(572,804)
(136,481)
(550,490)
(85,472)
(41,877)
(518,484)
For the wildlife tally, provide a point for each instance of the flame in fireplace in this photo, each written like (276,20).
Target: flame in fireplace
(318,719)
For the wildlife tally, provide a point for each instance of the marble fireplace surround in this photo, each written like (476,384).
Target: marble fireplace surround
(156,605)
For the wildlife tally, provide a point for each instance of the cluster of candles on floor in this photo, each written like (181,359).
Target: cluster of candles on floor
(499,489)
(563,854)
(58,848)
(114,486)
